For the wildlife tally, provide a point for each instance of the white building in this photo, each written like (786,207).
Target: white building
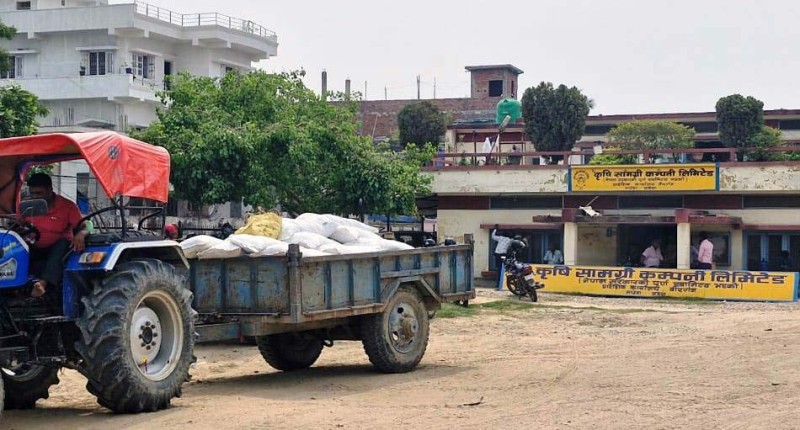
(100,65)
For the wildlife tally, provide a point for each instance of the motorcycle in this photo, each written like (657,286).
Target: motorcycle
(519,275)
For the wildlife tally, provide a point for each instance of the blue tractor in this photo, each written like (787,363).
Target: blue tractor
(122,315)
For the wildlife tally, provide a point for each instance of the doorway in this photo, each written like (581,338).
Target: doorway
(633,239)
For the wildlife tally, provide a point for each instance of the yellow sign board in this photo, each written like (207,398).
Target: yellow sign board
(702,284)
(645,177)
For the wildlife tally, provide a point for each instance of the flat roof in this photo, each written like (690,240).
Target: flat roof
(514,69)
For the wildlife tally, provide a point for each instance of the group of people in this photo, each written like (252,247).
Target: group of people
(552,256)
(702,254)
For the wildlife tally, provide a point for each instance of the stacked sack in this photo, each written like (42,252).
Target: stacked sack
(316,234)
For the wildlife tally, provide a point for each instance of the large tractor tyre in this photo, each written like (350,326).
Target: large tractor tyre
(137,340)
(289,351)
(26,384)
(395,340)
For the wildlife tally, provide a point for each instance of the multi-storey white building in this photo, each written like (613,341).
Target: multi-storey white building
(100,65)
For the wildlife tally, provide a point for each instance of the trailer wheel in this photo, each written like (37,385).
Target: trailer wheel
(395,340)
(137,337)
(26,384)
(289,351)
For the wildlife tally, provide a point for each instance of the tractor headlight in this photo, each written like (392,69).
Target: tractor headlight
(92,257)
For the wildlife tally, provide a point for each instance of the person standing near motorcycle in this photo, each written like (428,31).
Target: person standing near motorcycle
(501,249)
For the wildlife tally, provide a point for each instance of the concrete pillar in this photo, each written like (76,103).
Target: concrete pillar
(737,250)
(570,243)
(684,245)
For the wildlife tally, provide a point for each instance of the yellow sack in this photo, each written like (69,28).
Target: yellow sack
(268,225)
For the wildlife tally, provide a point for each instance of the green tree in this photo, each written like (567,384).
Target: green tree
(555,118)
(19,110)
(7,33)
(269,140)
(739,119)
(766,138)
(650,134)
(421,123)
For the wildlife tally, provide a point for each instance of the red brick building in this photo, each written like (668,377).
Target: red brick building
(489,85)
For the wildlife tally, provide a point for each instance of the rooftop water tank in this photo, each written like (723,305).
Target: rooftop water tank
(509,107)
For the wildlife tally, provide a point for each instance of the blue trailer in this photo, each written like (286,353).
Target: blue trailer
(293,306)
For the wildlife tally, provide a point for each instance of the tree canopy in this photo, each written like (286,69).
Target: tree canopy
(555,118)
(650,134)
(739,119)
(268,140)
(421,123)
(19,110)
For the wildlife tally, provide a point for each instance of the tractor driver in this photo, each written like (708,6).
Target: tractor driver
(59,230)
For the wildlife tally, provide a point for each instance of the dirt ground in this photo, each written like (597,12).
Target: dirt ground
(567,362)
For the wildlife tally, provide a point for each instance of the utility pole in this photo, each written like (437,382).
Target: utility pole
(365,90)
(418,84)
(434,87)
(385,93)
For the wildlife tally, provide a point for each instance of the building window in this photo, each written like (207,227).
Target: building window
(99,63)
(545,202)
(144,66)
(14,69)
(771,202)
(495,88)
(23,5)
(236,210)
(225,69)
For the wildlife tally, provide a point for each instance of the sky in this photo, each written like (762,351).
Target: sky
(629,56)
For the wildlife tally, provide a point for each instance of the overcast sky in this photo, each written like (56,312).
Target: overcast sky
(630,56)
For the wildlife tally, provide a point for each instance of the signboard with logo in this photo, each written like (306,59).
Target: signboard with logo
(645,177)
(636,282)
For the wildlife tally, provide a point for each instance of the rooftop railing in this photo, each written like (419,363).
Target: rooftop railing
(204,19)
(528,160)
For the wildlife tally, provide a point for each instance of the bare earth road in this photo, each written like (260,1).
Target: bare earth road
(568,363)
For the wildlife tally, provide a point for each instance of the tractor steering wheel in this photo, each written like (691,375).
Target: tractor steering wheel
(27,231)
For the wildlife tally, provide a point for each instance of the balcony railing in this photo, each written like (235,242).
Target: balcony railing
(204,19)
(478,160)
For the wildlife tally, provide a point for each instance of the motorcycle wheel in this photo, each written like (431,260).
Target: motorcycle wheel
(532,293)
(513,286)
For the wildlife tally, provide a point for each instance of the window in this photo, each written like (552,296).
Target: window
(23,5)
(547,202)
(225,69)
(99,63)
(647,202)
(495,88)
(765,251)
(14,68)
(771,202)
(144,66)
(236,210)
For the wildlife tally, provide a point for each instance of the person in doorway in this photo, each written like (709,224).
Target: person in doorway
(553,256)
(60,229)
(501,249)
(514,158)
(694,251)
(786,263)
(705,253)
(652,257)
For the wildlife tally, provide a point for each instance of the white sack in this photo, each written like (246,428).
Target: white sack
(197,244)
(251,244)
(223,249)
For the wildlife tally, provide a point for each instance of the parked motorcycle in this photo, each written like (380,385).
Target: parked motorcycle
(519,275)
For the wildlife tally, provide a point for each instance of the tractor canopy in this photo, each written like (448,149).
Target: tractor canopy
(123,166)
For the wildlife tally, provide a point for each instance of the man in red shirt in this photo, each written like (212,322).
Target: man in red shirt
(59,230)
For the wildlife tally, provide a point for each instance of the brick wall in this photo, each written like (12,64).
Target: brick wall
(379,117)
(481,78)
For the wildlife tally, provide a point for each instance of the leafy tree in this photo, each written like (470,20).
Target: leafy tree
(19,110)
(421,123)
(649,134)
(555,118)
(269,140)
(7,33)
(612,159)
(740,119)
(767,138)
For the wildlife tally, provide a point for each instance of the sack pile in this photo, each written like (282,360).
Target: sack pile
(317,235)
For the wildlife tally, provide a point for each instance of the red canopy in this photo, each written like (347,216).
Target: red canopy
(122,165)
